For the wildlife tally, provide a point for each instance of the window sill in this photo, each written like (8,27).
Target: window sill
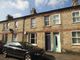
(47,26)
(33,27)
(75,44)
(34,44)
(75,22)
(57,24)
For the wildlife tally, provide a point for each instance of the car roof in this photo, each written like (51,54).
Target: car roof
(13,43)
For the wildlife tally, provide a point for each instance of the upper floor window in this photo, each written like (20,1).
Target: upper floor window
(16,24)
(14,37)
(76,16)
(8,24)
(46,20)
(76,37)
(33,23)
(56,19)
(5,26)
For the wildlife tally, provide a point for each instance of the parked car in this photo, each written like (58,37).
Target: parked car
(24,51)
(1,46)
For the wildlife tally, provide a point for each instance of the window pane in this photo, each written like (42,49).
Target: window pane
(57,22)
(46,20)
(32,40)
(74,40)
(73,34)
(78,19)
(33,23)
(56,19)
(16,24)
(78,40)
(75,14)
(32,35)
(74,19)
(78,33)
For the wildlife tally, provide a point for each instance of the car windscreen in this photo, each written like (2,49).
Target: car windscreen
(18,46)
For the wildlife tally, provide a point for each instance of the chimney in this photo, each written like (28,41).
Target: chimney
(75,2)
(9,17)
(33,11)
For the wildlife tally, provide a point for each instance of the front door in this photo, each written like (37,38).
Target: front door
(57,43)
(47,42)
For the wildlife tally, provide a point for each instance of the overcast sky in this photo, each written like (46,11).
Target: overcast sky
(18,8)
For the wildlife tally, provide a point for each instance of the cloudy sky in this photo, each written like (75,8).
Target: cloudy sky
(18,8)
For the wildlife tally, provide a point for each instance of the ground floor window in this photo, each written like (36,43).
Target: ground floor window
(14,38)
(76,37)
(33,38)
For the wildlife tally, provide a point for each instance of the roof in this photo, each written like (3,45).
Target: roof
(37,14)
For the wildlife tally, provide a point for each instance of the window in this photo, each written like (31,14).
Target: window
(76,16)
(33,38)
(16,24)
(5,26)
(56,19)
(46,20)
(15,37)
(8,24)
(76,37)
(33,23)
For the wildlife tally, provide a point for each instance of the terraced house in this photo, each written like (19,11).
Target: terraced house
(57,30)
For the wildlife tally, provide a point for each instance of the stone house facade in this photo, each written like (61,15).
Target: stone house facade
(57,30)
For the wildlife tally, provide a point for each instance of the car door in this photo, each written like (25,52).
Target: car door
(19,51)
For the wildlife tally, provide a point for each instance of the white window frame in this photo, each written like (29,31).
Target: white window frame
(33,38)
(5,26)
(33,23)
(8,24)
(75,37)
(15,36)
(76,17)
(47,21)
(58,18)
(16,23)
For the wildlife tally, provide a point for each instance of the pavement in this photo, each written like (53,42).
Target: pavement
(64,56)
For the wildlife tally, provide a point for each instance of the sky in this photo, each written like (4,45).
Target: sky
(19,8)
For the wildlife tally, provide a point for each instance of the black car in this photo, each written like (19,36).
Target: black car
(24,51)
(1,46)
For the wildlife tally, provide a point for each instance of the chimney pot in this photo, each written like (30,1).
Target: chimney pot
(74,2)
(33,11)
(9,17)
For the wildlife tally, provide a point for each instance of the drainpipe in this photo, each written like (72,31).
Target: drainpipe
(23,30)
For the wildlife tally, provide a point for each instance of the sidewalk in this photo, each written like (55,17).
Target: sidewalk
(59,56)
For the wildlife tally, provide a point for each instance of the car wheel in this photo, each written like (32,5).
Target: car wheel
(5,54)
(27,57)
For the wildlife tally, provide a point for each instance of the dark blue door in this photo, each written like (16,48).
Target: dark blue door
(47,42)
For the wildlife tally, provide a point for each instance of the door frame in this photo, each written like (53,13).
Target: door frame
(58,42)
(48,42)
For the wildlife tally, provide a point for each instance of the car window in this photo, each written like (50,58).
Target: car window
(16,46)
